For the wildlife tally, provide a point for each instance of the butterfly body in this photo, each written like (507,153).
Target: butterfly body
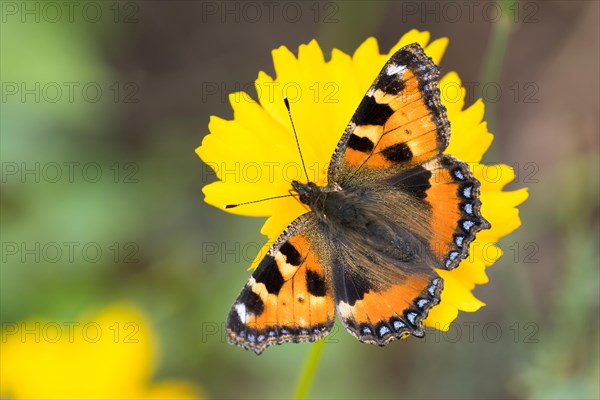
(394,210)
(356,216)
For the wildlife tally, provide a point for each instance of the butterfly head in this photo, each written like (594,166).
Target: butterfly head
(318,198)
(309,193)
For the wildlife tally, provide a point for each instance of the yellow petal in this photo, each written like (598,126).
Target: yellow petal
(453,95)
(436,49)
(470,138)
(457,294)
(412,36)
(366,63)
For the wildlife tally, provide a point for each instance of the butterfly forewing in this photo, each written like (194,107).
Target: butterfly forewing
(400,122)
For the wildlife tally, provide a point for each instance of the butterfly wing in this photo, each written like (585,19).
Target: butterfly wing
(400,122)
(289,296)
(446,188)
(391,151)
(380,296)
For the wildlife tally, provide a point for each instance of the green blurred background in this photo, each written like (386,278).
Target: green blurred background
(121,89)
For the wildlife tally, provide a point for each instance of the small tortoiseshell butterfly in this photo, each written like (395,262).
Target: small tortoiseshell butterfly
(394,210)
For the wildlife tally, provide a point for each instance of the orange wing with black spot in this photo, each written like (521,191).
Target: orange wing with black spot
(289,297)
(376,311)
(449,194)
(400,122)
(455,216)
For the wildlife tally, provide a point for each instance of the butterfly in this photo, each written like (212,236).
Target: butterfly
(394,210)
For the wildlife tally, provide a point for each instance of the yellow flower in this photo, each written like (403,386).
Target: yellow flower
(110,355)
(255,155)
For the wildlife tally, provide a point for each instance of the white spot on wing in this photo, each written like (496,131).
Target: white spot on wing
(468,225)
(431,289)
(394,69)
(344,309)
(383,330)
(241,310)
(411,316)
(422,303)
(469,208)
(398,325)
(467,192)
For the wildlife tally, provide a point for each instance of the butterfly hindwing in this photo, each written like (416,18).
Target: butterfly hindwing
(288,298)
(400,122)
(450,193)
(379,312)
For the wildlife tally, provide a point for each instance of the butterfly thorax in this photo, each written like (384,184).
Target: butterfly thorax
(336,207)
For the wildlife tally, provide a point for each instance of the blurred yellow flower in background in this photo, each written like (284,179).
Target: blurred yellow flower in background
(108,355)
(324,95)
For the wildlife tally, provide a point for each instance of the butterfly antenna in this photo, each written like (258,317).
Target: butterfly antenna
(287,105)
(258,201)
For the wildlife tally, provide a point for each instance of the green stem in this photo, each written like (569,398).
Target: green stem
(308,371)
(494,57)
(520,303)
